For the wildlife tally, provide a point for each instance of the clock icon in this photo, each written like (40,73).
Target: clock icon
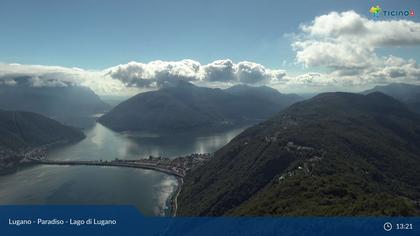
(387,226)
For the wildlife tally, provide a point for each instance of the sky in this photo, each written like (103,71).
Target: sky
(122,47)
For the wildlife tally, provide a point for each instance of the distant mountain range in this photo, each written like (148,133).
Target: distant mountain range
(21,132)
(65,104)
(407,93)
(185,106)
(334,154)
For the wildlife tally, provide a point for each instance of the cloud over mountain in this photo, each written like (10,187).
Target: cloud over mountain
(58,76)
(347,44)
(135,76)
(39,76)
(156,73)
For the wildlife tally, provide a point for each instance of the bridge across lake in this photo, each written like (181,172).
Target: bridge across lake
(141,164)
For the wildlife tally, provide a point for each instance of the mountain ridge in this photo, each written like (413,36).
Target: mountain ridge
(65,103)
(186,106)
(21,132)
(334,154)
(408,94)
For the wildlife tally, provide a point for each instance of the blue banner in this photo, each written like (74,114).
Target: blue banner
(126,220)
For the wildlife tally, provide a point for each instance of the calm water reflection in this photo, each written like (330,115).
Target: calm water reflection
(147,190)
(103,143)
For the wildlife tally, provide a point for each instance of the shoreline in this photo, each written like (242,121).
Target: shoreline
(18,160)
(176,168)
(174,197)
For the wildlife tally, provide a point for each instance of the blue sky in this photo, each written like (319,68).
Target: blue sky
(99,34)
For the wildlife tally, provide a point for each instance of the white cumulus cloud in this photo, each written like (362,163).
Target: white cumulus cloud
(346,44)
(156,73)
(219,70)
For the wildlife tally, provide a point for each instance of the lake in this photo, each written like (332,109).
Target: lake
(148,190)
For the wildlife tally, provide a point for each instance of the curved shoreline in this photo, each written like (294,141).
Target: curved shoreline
(126,163)
(174,197)
(178,176)
(177,168)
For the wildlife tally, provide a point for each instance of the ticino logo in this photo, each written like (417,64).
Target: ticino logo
(377,10)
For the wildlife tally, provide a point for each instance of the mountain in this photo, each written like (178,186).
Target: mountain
(61,103)
(263,93)
(406,93)
(21,132)
(113,100)
(334,154)
(186,106)
(264,101)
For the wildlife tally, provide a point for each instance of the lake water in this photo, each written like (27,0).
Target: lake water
(146,189)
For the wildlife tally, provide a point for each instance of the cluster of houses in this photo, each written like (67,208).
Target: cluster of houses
(180,164)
